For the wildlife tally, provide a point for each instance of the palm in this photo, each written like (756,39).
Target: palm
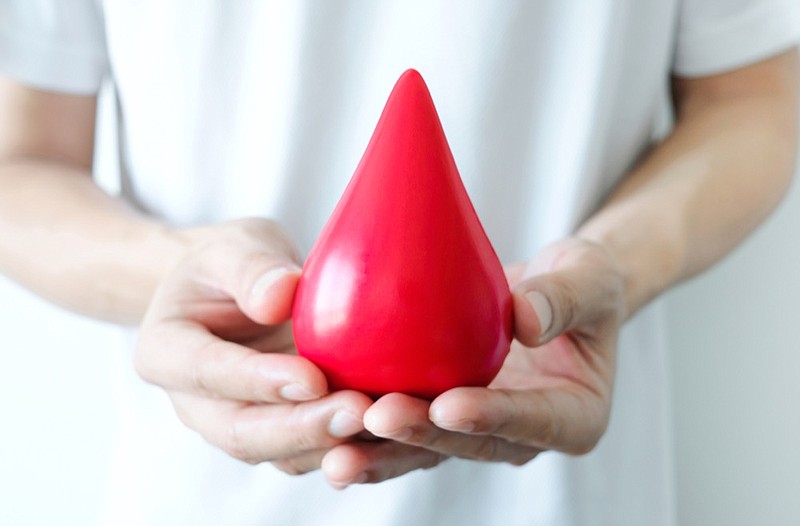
(568,366)
(557,364)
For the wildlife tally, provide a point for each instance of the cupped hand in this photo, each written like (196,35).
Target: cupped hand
(216,337)
(552,393)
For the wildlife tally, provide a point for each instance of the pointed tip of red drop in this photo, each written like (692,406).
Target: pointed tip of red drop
(409,82)
(411,74)
(409,138)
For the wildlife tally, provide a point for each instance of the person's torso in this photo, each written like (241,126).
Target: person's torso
(251,107)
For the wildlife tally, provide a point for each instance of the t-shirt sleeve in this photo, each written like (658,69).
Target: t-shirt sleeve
(55,45)
(719,35)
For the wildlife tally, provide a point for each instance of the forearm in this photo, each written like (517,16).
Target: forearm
(66,240)
(727,164)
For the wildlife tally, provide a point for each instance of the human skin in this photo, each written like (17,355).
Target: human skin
(214,305)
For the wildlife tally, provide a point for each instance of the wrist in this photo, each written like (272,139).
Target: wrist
(648,260)
(127,263)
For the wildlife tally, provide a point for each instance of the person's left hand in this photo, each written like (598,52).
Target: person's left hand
(553,391)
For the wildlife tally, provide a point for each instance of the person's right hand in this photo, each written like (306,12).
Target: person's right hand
(216,337)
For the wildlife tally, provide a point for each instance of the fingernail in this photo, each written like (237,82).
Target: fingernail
(460,426)
(297,393)
(344,424)
(440,421)
(269,278)
(541,306)
(402,434)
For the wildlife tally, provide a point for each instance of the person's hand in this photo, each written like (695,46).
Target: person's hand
(553,391)
(216,337)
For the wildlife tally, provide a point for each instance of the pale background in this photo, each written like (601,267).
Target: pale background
(736,370)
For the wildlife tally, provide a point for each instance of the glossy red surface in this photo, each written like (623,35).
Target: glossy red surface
(403,290)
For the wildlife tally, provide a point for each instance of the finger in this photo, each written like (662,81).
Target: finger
(371,462)
(182,355)
(261,283)
(258,270)
(301,464)
(405,419)
(270,432)
(533,316)
(565,420)
(576,294)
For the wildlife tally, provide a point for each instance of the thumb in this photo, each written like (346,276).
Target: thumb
(269,298)
(550,304)
(259,273)
(533,312)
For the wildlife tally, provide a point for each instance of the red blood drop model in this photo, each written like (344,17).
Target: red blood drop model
(403,291)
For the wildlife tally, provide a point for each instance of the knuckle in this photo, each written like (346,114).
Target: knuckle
(280,238)
(583,446)
(486,449)
(294,466)
(568,302)
(523,458)
(184,417)
(252,225)
(141,366)
(211,376)
(184,412)
(289,467)
(142,363)
(581,449)
(548,431)
(246,229)
(234,444)
(307,435)
(256,231)
(586,443)
(198,377)
(252,265)
(433,460)
(433,441)
(303,441)
(596,422)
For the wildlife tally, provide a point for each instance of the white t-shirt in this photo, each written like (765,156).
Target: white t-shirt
(249,107)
